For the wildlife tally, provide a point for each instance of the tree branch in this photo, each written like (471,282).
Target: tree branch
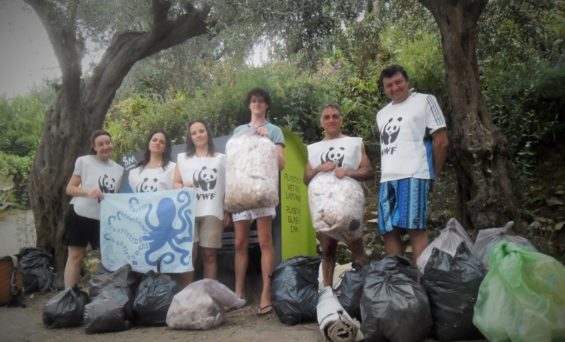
(129,47)
(66,46)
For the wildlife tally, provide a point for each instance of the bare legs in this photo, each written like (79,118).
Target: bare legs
(418,240)
(264,232)
(209,260)
(73,265)
(241,258)
(329,251)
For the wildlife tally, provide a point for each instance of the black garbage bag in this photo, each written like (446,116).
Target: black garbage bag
(294,289)
(65,309)
(153,298)
(112,308)
(351,290)
(394,307)
(452,284)
(37,270)
(123,277)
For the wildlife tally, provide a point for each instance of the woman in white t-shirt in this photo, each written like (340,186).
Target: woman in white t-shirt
(203,169)
(156,171)
(93,176)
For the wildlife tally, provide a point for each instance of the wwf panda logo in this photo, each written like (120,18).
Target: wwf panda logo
(390,131)
(107,184)
(205,179)
(334,155)
(148,185)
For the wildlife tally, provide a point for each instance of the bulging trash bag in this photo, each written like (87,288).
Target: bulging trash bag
(109,311)
(154,295)
(351,290)
(452,284)
(123,276)
(252,172)
(448,241)
(487,238)
(521,297)
(201,305)
(37,270)
(112,307)
(337,206)
(394,307)
(294,289)
(65,309)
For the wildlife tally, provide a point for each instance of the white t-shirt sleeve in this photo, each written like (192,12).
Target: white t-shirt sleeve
(434,116)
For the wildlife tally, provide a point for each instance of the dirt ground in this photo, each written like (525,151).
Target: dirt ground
(25,324)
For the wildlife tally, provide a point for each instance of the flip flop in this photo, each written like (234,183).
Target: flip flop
(264,310)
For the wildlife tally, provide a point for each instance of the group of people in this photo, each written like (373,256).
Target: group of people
(413,140)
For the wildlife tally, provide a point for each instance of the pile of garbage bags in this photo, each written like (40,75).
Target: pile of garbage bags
(119,300)
(498,288)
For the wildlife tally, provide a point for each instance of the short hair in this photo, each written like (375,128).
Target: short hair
(390,71)
(331,105)
(94,135)
(258,92)
(166,153)
(190,148)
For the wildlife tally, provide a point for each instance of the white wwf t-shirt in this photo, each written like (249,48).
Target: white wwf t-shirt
(150,180)
(405,134)
(95,173)
(208,177)
(344,152)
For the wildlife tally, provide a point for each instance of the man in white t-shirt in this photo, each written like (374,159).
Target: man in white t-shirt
(413,140)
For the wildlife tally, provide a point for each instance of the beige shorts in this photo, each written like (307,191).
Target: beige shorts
(208,231)
(252,214)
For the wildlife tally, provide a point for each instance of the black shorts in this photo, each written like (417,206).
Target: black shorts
(80,230)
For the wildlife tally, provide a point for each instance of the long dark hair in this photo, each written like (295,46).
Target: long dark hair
(166,153)
(190,148)
(95,135)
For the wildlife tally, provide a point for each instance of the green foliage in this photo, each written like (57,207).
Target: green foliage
(296,100)
(21,121)
(15,172)
(522,84)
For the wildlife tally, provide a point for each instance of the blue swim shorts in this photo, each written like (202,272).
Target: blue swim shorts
(403,204)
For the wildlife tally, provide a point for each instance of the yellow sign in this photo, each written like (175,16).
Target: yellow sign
(297,235)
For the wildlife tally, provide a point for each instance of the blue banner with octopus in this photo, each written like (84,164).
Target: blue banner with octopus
(148,229)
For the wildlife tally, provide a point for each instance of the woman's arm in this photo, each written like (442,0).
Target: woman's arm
(74,189)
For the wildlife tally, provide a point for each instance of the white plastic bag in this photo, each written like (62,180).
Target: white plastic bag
(448,240)
(337,206)
(487,238)
(252,172)
(201,305)
(335,323)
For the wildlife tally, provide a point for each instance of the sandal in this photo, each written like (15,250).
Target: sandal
(264,310)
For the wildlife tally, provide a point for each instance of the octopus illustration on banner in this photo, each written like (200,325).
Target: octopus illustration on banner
(149,231)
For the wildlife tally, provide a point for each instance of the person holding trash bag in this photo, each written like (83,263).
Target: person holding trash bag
(155,172)
(258,101)
(346,157)
(413,140)
(93,176)
(202,168)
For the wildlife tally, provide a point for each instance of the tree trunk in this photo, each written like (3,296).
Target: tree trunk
(81,106)
(485,197)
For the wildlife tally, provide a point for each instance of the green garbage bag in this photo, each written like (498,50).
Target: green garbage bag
(522,296)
